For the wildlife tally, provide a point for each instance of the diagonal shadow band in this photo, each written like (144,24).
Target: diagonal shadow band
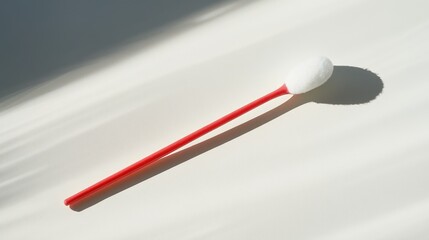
(49,38)
(347,85)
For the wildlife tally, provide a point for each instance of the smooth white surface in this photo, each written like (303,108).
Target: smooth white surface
(359,172)
(309,75)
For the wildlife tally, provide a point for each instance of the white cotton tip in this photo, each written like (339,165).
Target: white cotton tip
(309,75)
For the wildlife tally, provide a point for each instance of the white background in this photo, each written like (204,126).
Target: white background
(335,170)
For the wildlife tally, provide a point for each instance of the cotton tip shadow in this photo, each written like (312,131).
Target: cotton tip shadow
(347,86)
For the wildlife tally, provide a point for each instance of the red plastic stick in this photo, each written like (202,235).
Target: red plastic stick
(172,147)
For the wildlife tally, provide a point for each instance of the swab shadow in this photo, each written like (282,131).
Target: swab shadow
(347,85)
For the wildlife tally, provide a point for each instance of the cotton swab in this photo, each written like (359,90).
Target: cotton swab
(305,77)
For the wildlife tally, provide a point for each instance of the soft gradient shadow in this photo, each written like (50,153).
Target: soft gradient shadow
(348,85)
(43,39)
